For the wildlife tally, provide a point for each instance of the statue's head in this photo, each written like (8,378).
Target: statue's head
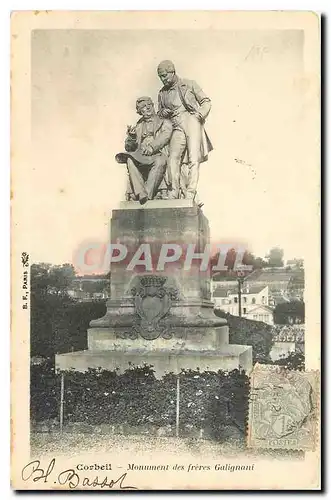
(145,107)
(167,73)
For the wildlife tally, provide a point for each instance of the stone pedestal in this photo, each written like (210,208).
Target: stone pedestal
(162,317)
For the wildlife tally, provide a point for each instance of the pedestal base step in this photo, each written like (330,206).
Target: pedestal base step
(163,361)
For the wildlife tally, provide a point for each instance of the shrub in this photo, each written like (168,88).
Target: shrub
(249,332)
(208,400)
(294,361)
(44,392)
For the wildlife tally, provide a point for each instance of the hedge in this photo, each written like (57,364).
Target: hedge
(244,331)
(208,400)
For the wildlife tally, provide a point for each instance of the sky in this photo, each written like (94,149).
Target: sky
(257,183)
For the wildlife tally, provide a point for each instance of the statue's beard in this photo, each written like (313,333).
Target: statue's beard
(147,116)
(169,84)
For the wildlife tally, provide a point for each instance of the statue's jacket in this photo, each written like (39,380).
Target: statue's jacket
(159,139)
(193,99)
(162,130)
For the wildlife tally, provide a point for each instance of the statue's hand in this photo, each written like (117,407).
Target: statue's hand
(131,131)
(147,150)
(165,113)
(199,116)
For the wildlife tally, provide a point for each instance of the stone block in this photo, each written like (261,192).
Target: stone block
(227,358)
(163,318)
(200,339)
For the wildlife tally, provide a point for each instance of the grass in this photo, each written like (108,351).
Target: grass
(71,444)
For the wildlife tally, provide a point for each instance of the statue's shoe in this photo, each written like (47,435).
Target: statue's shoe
(143,200)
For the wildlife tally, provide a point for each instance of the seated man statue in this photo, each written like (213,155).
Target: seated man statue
(145,152)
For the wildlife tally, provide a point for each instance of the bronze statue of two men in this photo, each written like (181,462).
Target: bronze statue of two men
(164,150)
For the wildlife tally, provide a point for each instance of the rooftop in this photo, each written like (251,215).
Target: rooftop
(91,277)
(269,275)
(280,299)
(223,292)
(259,307)
(252,289)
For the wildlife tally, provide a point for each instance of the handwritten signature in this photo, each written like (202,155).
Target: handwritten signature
(69,477)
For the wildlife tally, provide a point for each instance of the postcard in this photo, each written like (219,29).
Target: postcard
(165,244)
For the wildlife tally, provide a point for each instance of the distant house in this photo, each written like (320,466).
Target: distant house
(261,313)
(219,281)
(253,298)
(37,360)
(279,298)
(290,313)
(295,263)
(276,279)
(287,339)
(285,285)
(281,281)
(224,297)
(90,287)
(82,296)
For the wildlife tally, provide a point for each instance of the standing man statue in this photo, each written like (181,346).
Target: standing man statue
(146,154)
(186,105)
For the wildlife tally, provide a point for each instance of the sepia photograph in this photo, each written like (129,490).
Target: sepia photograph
(165,250)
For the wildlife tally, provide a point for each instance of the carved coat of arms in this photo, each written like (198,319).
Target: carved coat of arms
(152,301)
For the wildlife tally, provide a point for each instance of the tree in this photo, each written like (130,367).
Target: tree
(102,286)
(47,311)
(58,324)
(259,263)
(294,361)
(95,286)
(40,278)
(70,324)
(250,260)
(275,257)
(298,263)
(61,278)
(230,259)
(46,278)
(244,331)
(88,287)
(289,312)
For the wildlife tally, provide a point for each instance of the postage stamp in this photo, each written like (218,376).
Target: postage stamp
(283,408)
